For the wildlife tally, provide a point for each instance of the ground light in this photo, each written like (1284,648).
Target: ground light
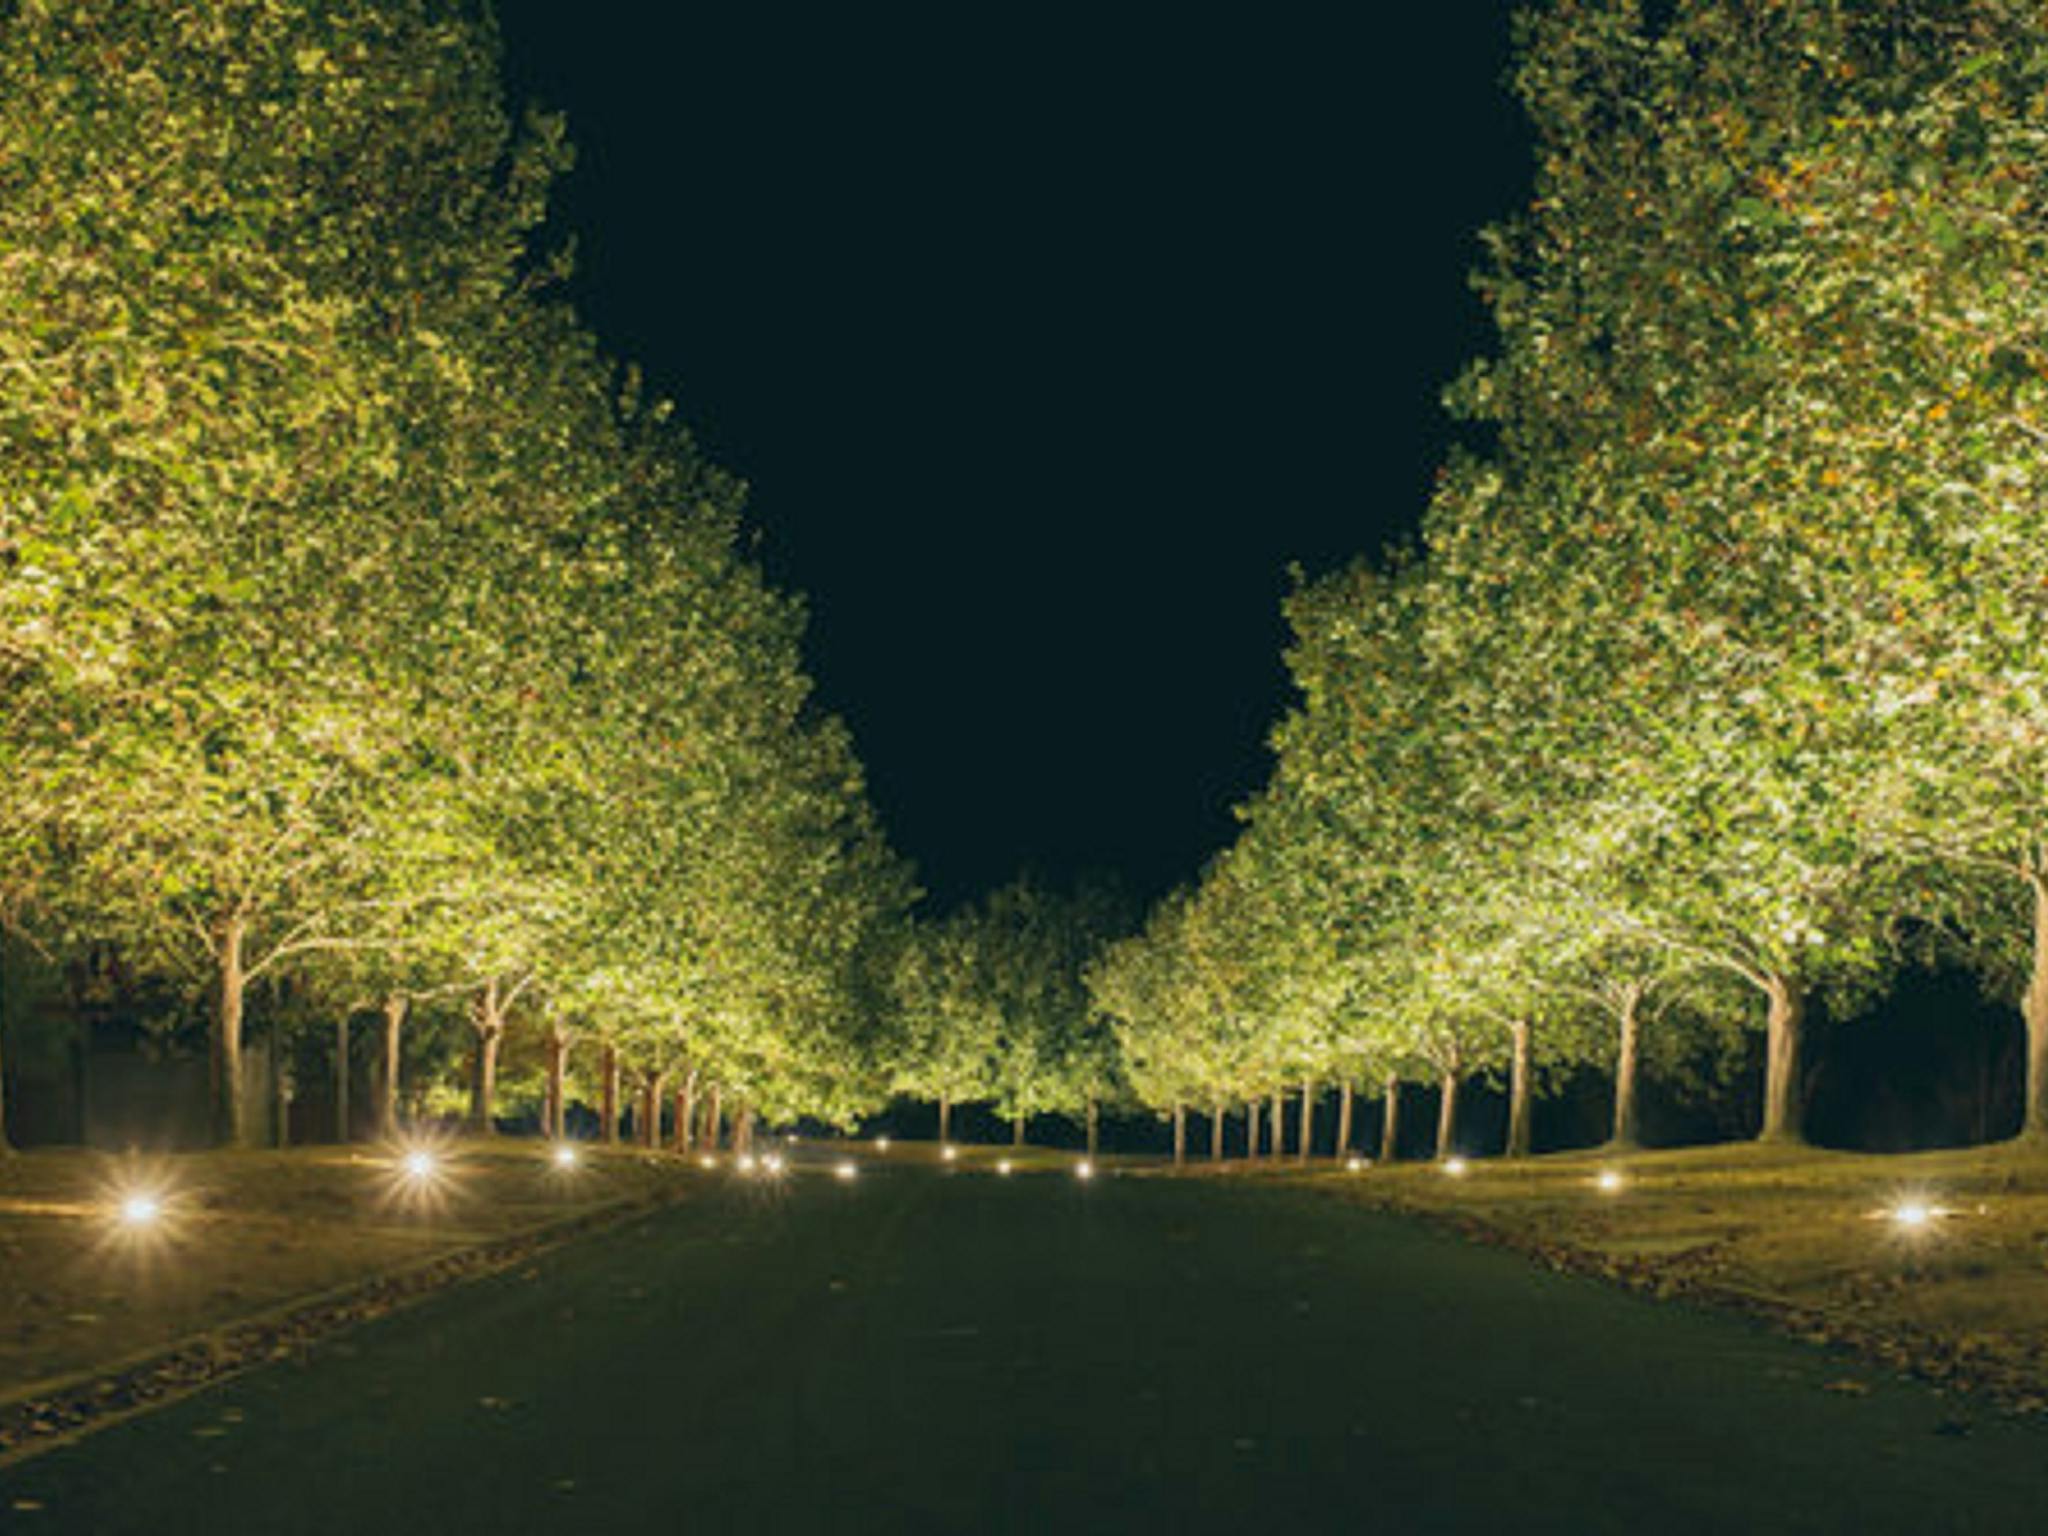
(707,1161)
(141,1211)
(1003,1167)
(565,1158)
(846,1170)
(1084,1169)
(949,1153)
(881,1143)
(1356,1164)
(1609,1181)
(1912,1216)
(1455,1167)
(772,1164)
(744,1162)
(417,1176)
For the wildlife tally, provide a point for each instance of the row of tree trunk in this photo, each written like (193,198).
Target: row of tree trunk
(694,1122)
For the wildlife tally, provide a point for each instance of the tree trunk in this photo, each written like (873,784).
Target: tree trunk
(1627,1069)
(229,1117)
(282,1091)
(341,1079)
(557,1112)
(609,1095)
(1447,1115)
(1216,1133)
(489,1025)
(387,1085)
(483,1084)
(1276,1127)
(650,1112)
(1343,1120)
(1180,1136)
(6,1145)
(1782,1107)
(2034,1009)
(1017,1129)
(686,1110)
(1390,1122)
(1251,1130)
(743,1129)
(945,1118)
(1518,1090)
(1094,1127)
(1307,1138)
(714,1117)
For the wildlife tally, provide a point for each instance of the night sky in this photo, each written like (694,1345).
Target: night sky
(1045,343)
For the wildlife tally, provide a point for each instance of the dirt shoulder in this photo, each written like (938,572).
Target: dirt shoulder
(236,1235)
(1808,1240)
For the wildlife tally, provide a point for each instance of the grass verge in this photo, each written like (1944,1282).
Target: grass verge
(248,1256)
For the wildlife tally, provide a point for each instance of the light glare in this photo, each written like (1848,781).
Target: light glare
(1609,1181)
(565,1157)
(1003,1167)
(846,1170)
(1455,1167)
(949,1153)
(141,1210)
(1084,1169)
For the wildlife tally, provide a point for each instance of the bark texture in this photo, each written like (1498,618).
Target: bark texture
(650,1112)
(2034,1009)
(387,1080)
(230,1117)
(1180,1136)
(556,1113)
(1447,1115)
(488,1020)
(1390,1122)
(1306,1137)
(1783,1118)
(341,1106)
(1627,1072)
(1519,1134)
(1343,1121)
(609,1096)
(686,1111)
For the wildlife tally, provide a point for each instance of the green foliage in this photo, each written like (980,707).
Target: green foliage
(358,625)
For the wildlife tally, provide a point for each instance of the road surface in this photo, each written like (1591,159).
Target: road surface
(927,1351)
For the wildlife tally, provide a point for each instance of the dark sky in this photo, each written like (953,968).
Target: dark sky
(1046,343)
